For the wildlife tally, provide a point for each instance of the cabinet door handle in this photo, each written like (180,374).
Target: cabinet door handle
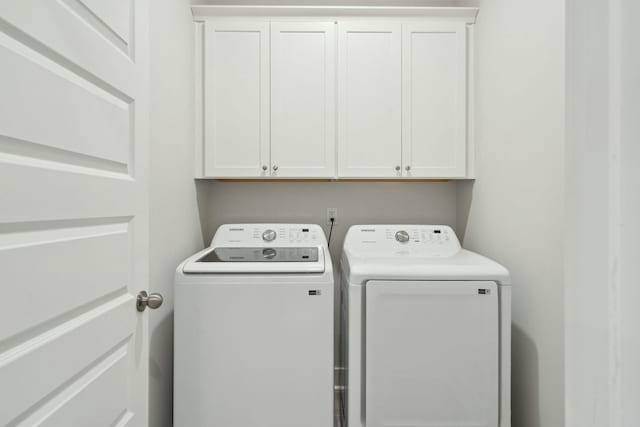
(275,167)
(397,168)
(408,168)
(264,167)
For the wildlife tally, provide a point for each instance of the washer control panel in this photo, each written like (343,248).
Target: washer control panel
(286,234)
(271,235)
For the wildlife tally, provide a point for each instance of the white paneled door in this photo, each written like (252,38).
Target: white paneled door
(303,99)
(434,97)
(236,100)
(73,213)
(369,100)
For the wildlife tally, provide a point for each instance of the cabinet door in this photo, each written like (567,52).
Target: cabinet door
(303,100)
(236,110)
(434,81)
(369,100)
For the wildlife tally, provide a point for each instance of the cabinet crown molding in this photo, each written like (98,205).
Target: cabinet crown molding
(465,14)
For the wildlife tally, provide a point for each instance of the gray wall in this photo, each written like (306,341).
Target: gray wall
(629,208)
(514,212)
(587,180)
(174,224)
(603,212)
(357,203)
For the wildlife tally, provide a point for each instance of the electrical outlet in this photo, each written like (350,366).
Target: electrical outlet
(332,213)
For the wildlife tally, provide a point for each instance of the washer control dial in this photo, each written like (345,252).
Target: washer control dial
(402,236)
(269,235)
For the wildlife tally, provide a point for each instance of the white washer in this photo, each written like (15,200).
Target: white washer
(254,330)
(426,330)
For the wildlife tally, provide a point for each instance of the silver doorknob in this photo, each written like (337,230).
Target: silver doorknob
(275,167)
(407,168)
(264,167)
(397,168)
(145,300)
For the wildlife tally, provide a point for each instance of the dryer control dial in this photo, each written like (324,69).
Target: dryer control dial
(402,236)
(269,235)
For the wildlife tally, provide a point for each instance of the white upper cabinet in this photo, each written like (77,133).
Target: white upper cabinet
(303,96)
(369,100)
(434,98)
(236,99)
(303,100)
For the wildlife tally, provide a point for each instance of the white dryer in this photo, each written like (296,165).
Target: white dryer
(426,330)
(254,330)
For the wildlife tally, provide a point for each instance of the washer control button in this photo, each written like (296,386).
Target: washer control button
(269,235)
(402,236)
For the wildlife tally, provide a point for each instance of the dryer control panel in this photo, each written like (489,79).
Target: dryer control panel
(268,235)
(403,240)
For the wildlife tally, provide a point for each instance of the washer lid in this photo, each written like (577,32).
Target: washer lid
(413,252)
(261,254)
(249,260)
(262,248)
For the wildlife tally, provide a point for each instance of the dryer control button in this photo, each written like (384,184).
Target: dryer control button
(402,236)
(269,235)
